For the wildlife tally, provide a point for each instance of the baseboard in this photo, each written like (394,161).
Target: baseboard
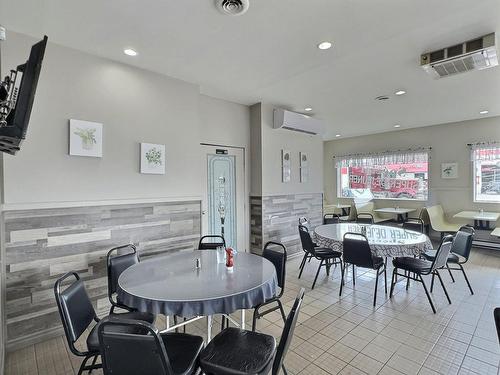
(25,341)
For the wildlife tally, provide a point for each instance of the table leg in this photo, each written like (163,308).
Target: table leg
(242,318)
(168,321)
(209,328)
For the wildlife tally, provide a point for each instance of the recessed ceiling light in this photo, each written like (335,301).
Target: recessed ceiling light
(485,112)
(397,126)
(130,52)
(325,45)
(308,109)
(400,92)
(338,135)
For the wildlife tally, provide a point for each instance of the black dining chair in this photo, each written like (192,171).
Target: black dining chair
(459,254)
(422,267)
(414,224)
(357,252)
(325,255)
(331,219)
(239,352)
(364,218)
(211,242)
(145,351)
(496,315)
(77,315)
(118,260)
(278,259)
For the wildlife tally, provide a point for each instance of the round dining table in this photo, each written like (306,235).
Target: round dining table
(194,284)
(384,240)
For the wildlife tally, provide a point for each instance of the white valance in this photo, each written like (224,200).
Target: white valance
(485,151)
(409,156)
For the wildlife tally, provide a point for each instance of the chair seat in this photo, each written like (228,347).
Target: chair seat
(327,253)
(412,264)
(238,352)
(136,315)
(182,351)
(431,255)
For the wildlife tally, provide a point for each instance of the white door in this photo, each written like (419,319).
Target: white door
(224,199)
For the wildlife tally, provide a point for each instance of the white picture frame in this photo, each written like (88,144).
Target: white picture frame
(286,166)
(449,170)
(152,158)
(85,138)
(304,167)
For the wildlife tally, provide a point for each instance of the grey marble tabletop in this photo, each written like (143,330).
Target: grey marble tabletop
(172,285)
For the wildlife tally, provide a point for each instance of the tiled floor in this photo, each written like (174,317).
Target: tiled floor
(349,336)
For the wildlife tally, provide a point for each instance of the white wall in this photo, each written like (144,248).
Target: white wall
(135,106)
(448,142)
(273,141)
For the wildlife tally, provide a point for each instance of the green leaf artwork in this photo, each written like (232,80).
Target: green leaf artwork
(87,136)
(153,156)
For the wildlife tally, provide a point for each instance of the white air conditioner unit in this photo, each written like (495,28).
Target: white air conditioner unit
(477,54)
(298,122)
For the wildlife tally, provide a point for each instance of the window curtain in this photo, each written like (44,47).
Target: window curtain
(383,158)
(485,151)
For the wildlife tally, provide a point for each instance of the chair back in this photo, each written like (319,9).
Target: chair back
(436,216)
(278,259)
(287,334)
(214,241)
(364,218)
(331,219)
(131,347)
(118,260)
(496,314)
(356,250)
(462,243)
(415,224)
(442,253)
(306,240)
(424,216)
(75,308)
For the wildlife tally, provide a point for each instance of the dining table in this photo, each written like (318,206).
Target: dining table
(401,213)
(481,218)
(384,240)
(196,284)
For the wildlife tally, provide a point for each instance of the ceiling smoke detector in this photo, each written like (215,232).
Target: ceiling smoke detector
(232,7)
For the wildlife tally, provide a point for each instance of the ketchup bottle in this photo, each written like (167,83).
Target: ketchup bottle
(229,258)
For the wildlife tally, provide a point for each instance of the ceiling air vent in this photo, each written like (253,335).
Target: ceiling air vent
(232,7)
(477,54)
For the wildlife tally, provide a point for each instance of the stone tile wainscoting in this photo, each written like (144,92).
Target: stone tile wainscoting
(43,244)
(276,218)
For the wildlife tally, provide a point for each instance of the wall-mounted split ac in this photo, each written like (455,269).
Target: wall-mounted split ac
(478,54)
(298,122)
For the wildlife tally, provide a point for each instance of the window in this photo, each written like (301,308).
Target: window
(401,175)
(486,165)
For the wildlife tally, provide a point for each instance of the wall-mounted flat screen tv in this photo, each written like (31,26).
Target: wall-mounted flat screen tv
(21,97)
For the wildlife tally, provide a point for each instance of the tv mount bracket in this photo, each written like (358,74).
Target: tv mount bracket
(8,89)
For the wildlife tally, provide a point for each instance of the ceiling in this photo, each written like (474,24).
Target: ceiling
(270,54)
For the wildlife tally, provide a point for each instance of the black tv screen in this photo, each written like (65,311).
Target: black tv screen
(14,132)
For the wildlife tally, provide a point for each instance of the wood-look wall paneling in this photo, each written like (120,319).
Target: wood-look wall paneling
(43,244)
(280,218)
(256,224)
